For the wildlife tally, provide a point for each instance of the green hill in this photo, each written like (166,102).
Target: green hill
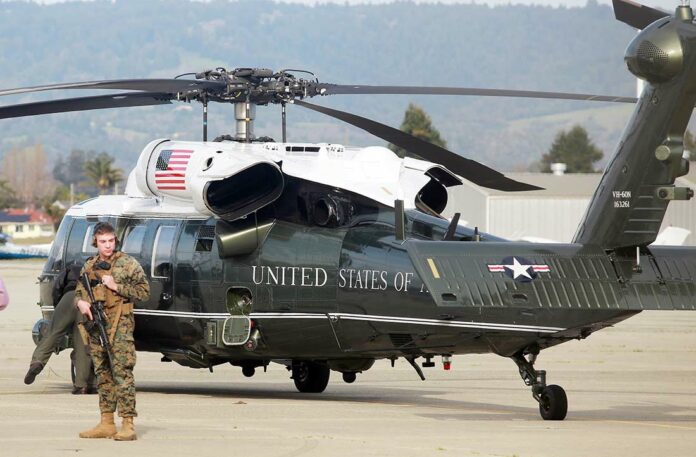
(520,47)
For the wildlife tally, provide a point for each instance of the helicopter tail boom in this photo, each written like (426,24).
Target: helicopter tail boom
(630,202)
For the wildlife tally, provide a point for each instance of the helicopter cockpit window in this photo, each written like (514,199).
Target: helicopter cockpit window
(162,252)
(133,243)
(55,256)
(87,247)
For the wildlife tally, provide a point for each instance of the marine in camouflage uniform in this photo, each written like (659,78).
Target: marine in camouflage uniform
(119,282)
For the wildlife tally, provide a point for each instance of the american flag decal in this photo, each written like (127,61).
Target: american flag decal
(170,171)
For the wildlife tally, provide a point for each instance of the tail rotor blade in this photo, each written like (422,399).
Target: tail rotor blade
(636,15)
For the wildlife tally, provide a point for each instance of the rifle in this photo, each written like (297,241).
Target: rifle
(99,318)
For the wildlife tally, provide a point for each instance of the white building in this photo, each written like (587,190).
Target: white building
(552,214)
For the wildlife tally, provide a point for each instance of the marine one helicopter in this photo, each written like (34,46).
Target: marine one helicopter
(325,257)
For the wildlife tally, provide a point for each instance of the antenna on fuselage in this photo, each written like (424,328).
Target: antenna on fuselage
(205,118)
(282,111)
(452,228)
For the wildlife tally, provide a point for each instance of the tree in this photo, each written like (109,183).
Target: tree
(70,168)
(575,149)
(7,195)
(101,172)
(53,209)
(418,123)
(26,171)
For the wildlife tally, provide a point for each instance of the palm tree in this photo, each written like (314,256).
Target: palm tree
(101,172)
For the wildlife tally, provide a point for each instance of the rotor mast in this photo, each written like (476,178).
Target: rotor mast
(244,115)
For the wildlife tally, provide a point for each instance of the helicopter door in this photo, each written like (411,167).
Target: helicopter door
(161,265)
(198,279)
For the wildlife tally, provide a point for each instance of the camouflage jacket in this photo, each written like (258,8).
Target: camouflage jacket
(128,274)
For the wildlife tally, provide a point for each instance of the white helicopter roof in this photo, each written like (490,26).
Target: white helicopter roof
(170,176)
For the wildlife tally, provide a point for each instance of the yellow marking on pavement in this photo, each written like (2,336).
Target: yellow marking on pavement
(433,268)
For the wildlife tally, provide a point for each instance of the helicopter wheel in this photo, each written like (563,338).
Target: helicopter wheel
(310,377)
(553,403)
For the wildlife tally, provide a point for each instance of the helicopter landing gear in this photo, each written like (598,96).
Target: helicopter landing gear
(310,377)
(553,402)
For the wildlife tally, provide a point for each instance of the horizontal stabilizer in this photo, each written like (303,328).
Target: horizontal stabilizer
(554,276)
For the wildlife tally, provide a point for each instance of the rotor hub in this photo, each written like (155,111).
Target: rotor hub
(258,86)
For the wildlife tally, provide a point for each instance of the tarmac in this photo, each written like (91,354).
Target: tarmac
(631,392)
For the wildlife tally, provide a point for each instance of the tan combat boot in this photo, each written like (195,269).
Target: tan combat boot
(105,429)
(127,432)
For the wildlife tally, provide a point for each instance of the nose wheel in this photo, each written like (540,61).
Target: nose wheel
(553,402)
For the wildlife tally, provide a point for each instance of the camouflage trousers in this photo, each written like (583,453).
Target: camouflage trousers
(116,384)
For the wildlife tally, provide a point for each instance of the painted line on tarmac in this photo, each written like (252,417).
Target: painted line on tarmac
(652,424)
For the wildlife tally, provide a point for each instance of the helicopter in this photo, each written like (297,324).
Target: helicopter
(324,257)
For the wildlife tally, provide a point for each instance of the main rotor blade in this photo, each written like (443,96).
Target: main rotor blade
(150,85)
(635,14)
(333,89)
(466,168)
(130,99)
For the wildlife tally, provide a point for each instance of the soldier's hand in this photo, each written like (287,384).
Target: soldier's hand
(109,282)
(85,308)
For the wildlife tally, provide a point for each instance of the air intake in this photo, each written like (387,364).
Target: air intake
(650,57)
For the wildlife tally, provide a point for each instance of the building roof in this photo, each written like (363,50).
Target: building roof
(15,218)
(25,215)
(569,185)
(580,185)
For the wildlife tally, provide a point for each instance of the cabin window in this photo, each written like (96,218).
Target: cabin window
(162,252)
(87,247)
(133,242)
(76,240)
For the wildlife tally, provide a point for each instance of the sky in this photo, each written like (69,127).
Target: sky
(667,5)
(663,4)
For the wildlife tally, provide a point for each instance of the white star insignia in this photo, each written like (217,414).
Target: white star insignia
(518,269)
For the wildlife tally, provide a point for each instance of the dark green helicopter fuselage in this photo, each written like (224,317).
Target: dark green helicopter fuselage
(360,293)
